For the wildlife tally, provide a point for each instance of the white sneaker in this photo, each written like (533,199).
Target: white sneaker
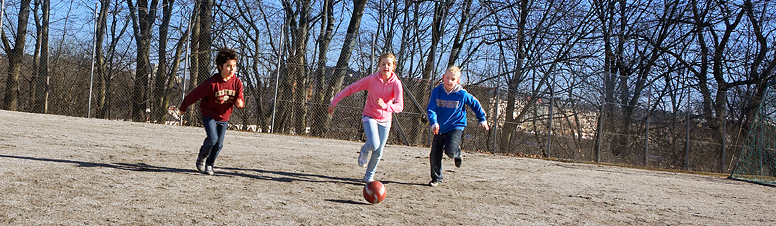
(362,159)
(209,170)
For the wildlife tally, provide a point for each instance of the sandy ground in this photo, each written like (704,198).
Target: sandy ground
(75,171)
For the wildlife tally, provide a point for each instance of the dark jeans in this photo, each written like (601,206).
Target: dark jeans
(450,144)
(215,130)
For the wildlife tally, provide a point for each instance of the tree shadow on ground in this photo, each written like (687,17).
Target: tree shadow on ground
(281,176)
(291,176)
(121,166)
(346,201)
(284,176)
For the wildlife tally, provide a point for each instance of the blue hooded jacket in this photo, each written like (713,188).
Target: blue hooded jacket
(448,110)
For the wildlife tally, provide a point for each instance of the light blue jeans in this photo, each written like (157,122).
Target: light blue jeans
(376,136)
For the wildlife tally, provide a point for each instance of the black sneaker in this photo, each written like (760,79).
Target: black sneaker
(458,162)
(210,171)
(201,165)
(434,183)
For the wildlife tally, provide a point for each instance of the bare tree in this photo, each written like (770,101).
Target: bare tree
(166,71)
(15,57)
(716,55)
(249,22)
(143,16)
(99,57)
(441,9)
(319,103)
(200,46)
(636,71)
(763,65)
(335,84)
(40,99)
(516,73)
(296,79)
(461,34)
(114,65)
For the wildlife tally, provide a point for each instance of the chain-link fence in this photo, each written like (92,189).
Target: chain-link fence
(287,92)
(282,101)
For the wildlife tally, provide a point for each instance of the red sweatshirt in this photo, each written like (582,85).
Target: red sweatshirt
(218,97)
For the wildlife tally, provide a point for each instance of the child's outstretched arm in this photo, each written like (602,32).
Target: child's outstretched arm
(331,108)
(194,95)
(474,104)
(431,109)
(359,85)
(484,125)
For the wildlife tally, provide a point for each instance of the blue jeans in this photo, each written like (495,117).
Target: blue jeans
(376,136)
(450,144)
(215,130)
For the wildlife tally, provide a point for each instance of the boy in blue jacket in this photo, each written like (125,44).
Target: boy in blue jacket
(447,116)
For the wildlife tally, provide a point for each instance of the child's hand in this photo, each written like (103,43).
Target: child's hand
(239,103)
(331,108)
(381,103)
(435,129)
(484,125)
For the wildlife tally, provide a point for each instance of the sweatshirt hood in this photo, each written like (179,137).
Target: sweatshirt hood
(390,79)
(456,88)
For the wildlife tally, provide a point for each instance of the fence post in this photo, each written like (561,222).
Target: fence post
(2,9)
(497,100)
(549,121)
(495,109)
(600,134)
(277,79)
(183,81)
(91,75)
(724,135)
(687,132)
(760,142)
(646,137)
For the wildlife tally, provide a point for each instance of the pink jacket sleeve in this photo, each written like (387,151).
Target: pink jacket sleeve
(359,85)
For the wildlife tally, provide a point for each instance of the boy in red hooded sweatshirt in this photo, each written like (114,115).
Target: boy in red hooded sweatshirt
(219,95)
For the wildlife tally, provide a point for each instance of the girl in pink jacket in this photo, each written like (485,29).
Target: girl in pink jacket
(384,97)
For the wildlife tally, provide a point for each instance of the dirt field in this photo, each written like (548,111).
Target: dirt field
(65,170)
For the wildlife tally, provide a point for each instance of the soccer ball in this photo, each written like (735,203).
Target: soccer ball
(374,192)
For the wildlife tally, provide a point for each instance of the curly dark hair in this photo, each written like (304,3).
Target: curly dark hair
(225,54)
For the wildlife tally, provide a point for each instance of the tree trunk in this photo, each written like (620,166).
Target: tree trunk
(15,57)
(40,104)
(199,61)
(460,34)
(510,123)
(335,84)
(111,64)
(319,128)
(204,41)
(100,67)
(297,74)
(143,17)
(190,117)
(162,82)
(604,11)
(418,130)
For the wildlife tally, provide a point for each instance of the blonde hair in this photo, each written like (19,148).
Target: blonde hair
(387,55)
(456,71)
